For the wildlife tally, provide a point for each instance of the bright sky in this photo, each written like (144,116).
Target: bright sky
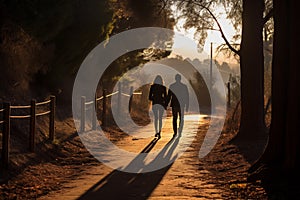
(213,36)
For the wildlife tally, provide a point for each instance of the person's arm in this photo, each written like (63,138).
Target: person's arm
(168,98)
(187,100)
(151,94)
(165,97)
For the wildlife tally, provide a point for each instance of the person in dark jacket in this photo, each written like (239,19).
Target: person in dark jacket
(157,96)
(178,95)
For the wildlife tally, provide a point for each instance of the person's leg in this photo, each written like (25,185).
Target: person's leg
(160,116)
(155,113)
(175,116)
(181,120)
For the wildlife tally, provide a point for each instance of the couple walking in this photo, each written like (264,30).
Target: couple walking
(177,96)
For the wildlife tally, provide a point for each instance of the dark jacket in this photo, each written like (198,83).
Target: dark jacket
(178,95)
(158,94)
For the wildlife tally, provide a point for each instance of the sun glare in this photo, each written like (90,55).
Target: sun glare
(214,37)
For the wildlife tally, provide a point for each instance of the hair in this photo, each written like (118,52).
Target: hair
(177,77)
(158,80)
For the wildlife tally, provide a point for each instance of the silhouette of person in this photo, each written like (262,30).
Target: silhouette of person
(157,95)
(179,96)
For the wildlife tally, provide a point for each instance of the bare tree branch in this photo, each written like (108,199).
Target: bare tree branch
(268,16)
(164,4)
(219,26)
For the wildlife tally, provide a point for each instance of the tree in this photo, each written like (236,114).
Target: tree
(46,41)
(250,16)
(281,159)
(252,69)
(131,14)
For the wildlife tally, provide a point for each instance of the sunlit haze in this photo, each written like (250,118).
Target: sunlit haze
(214,37)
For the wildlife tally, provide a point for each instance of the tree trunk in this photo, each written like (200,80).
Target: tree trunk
(282,155)
(252,71)
(284,138)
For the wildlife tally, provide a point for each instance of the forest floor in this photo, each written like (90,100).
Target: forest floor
(70,172)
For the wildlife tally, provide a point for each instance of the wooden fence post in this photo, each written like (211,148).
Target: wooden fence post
(130,98)
(6,136)
(141,99)
(94,114)
(119,97)
(229,95)
(82,117)
(32,125)
(104,108)
(52,118)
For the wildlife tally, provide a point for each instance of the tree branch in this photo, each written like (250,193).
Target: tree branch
(164,4)
(268,16)
(220,28)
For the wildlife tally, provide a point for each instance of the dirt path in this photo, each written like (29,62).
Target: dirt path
(183,179)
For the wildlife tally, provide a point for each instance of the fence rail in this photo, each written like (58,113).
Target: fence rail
(43,103)
(94,104)
(6,121)
(19,117)
(20,107)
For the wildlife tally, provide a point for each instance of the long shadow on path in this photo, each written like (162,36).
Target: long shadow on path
(123,185)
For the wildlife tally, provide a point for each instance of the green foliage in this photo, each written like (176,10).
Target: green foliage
(67,30)
(132,14)
(70,27)
(202,15)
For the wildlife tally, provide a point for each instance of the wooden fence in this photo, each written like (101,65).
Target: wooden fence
(103,98)
(7,117)
(94,104)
